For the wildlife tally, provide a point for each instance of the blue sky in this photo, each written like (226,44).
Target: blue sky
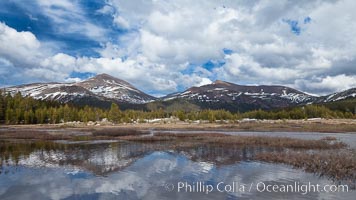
(27,17)
(168,46)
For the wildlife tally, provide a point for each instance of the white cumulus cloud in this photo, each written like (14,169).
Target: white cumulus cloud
(163,45)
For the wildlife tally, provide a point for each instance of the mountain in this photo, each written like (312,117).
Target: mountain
(52,91)
(225,95)
(101,88)
(338,96)
(344,101)
(104,85)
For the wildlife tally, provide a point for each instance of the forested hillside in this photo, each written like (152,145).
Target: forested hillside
(26,110)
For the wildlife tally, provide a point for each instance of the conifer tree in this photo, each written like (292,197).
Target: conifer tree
(114,113)
(2,106)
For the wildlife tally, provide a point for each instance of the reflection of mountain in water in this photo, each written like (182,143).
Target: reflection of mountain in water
(97,158)
(129,170)
(219,155)
(103,158)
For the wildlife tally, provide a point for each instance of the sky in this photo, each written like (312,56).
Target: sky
(170,45)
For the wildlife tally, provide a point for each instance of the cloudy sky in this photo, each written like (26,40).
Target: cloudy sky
(169,45)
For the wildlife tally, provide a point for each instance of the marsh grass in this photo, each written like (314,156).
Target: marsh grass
(115,132)
(326,156)
(337,165)
(204,138)
(81,138)
(329,138)
(32,134)
(291,126)
(283,142)
(217,139)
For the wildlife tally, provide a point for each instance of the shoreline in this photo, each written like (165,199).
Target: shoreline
(314,125)
(327,156)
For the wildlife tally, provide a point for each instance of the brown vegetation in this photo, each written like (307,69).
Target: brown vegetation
(315,156)
(32,134)
(216,139)
(282,142)
(329,138)
(338,165)
(115,132)
(320,125)
(326,156)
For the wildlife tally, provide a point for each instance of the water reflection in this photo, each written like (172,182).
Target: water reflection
(103,158)
(127,170)
(98,158)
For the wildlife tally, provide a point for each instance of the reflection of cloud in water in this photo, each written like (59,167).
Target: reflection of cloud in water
(105,158)
(145,177)
(139,171)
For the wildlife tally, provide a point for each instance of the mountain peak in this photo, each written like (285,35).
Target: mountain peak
(221,95)
(103,76)
(105,85)
(106,79)
(220,82)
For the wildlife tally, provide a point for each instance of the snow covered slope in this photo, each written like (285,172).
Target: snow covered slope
(346,94)
(51,91)
(228,93)
(100,87)
(218,95)
(110,87)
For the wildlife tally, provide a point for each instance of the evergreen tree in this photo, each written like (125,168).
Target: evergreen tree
(28,117)
(66,113)
(114,113)
(2,106)
(9,115)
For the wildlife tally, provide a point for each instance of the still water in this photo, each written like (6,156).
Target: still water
(129,170)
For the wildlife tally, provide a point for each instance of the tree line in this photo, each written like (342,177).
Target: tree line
(17,109)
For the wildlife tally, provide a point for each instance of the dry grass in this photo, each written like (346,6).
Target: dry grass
(190,135)
(329,138)
(320,125)
(279,142)
(116,132)
(337,165)
(203,138)
(276,126)
(333,126)
(178,137)
(223,140)
(146,139)
(32,134)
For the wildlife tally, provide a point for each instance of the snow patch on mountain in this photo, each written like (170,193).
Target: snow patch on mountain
(225,94)
(102,87)
(350,93)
